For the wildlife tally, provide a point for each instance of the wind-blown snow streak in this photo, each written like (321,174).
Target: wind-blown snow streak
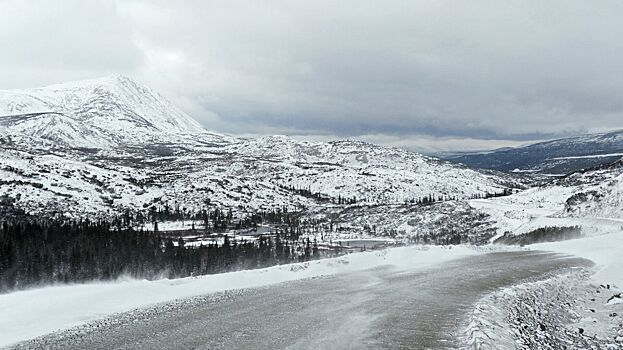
(589,156)
(36,312)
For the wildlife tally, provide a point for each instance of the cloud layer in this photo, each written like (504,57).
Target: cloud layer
(478,71)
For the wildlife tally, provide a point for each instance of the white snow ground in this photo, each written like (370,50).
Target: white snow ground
(556,309)
(564,303)
(591,200)
(606,251)
(32,313)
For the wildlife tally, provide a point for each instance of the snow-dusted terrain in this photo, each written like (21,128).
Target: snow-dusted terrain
(579,309)
(92,113)
(591,199)
(100,146)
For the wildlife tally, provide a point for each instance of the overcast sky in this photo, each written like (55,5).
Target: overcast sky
(426,75)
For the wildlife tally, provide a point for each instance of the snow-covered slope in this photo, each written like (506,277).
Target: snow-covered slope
(92,113)
(87,181)
(599,194)
(592,199)
(100,146)
(369,172)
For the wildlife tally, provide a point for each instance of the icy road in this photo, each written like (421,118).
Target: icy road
(384,308)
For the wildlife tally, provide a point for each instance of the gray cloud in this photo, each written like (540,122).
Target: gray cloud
(46,42)
(411,70)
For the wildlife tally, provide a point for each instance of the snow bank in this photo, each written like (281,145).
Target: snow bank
(31,313)
(546,314)
(606,251)
(538,208)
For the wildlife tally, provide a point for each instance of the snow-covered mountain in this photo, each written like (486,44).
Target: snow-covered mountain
(105,145)
(599,192)
(561,156)
(591,199)
(92,113)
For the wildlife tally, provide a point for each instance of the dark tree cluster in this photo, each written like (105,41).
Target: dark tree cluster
(214,219)
(431,198)
(320,197)
(450,237)
(37,252)
(504,192)
(542,234)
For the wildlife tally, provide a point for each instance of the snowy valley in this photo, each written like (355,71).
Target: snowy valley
(112,151)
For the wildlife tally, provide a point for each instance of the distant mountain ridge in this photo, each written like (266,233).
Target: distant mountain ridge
(560,156)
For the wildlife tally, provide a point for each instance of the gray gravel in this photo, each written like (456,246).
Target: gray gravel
(551,313)
(381,308)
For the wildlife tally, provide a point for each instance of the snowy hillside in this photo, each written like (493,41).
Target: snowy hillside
(600,192)
(369,172)
(591,199)
(104,145)
(97,182)
(91,113)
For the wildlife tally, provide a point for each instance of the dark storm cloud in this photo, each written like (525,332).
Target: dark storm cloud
(478,70)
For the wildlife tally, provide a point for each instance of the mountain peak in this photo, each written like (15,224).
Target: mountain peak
(91,83)
(116,106)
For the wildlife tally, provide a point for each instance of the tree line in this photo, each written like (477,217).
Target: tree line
(541,234)
(45,251)
(432,198)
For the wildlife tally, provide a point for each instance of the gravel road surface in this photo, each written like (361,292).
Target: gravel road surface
(383,308)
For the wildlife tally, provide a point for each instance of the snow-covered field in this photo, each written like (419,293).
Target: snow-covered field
(31,313)
(605,250)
